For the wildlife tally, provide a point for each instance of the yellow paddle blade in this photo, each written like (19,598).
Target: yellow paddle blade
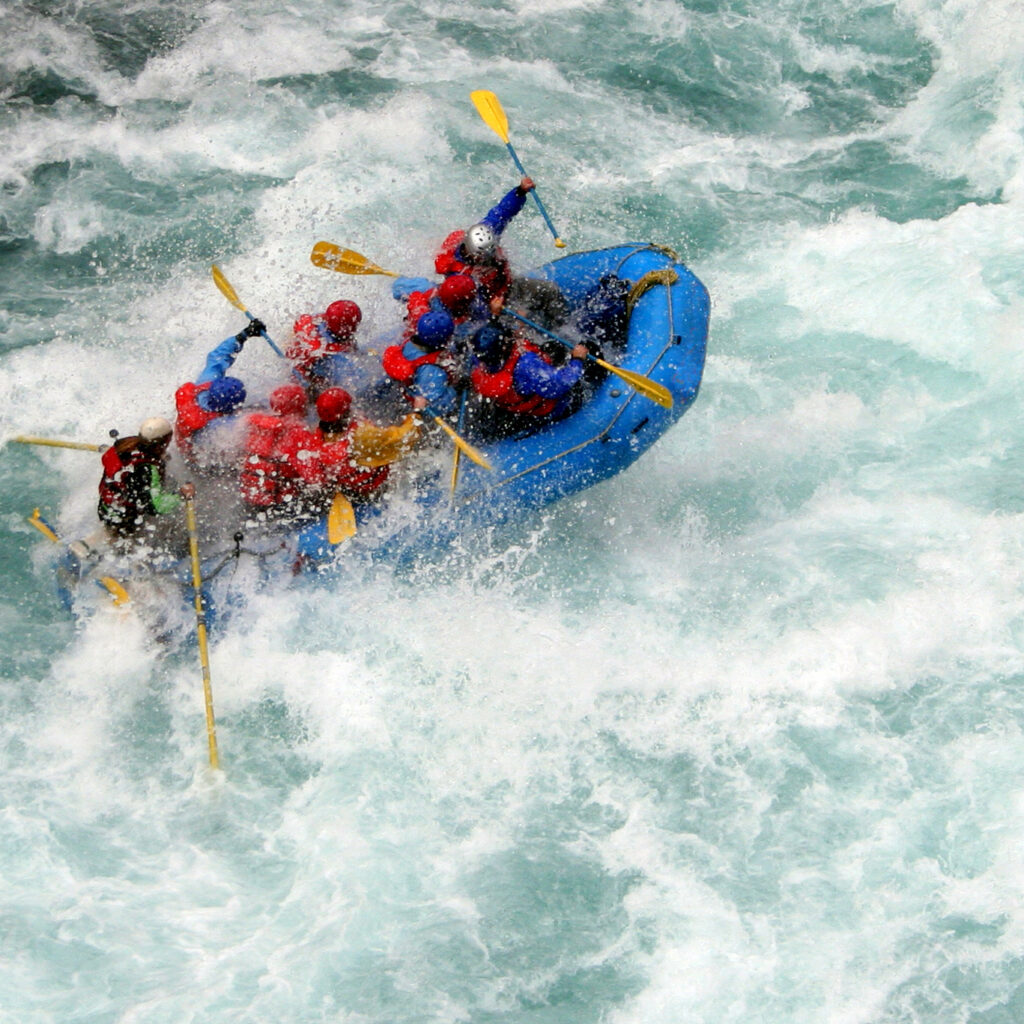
(116,591)
(226,290)
(464,446)
(43,526)
(50,442)
(341,520)
(345,261)
(642,385)
(490,110)
(372,446)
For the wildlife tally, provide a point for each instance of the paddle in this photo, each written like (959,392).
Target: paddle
(50,442)
(642,385)
(116,590)
(463,396)
(372,447)
(341,520)
(464,446)
(188,492)
(458,453)
(231,295)
(345,261)
(490,110)
(43,526)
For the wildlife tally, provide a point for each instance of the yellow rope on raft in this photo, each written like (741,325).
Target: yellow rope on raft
(665,275)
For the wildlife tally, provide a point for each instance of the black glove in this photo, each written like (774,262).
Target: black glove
(252,328)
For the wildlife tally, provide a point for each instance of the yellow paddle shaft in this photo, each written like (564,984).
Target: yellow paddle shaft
(204,654)
(50,442)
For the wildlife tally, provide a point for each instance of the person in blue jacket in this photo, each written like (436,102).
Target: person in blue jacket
(476,251)
(205,406)
(425,365)
(522,384)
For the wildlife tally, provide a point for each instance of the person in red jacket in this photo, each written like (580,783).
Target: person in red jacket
(205,405)
(133,487)
(424,365)
(323,347)
(457,296)
(269,480)
(522,383)
(327,464)
(476,252)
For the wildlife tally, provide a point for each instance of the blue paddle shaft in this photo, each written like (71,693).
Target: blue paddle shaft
(543,330)
(533,191)
(270,341)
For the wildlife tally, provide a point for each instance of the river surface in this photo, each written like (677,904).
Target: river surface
(733,738)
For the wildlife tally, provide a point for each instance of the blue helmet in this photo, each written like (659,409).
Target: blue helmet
(225,393)
(487,339)
(434,329)
(491,346)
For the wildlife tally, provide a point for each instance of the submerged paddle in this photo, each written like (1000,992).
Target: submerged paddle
(116,590)
(231,295)
(188,492)
(489,108)
(642,385)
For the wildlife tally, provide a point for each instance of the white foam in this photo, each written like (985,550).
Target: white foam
(922,284)
(792,556)
(967,120)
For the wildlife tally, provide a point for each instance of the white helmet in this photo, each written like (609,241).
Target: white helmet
(156,428)
(480,241)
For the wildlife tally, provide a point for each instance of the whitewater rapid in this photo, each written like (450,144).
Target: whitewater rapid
(733,737)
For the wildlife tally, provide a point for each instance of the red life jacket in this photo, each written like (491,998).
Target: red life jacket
(492,279)
(124,487)
(328,467)
(312,341)
(268,478)
(398,366)
(499,386)
(191,416)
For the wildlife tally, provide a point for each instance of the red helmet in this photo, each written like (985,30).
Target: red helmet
(288,400)
(333,405)
(457,292)
(342,318)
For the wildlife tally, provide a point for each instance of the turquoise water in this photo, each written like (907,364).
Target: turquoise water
(734,737)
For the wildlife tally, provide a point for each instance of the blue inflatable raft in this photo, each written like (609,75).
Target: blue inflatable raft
(664,340)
